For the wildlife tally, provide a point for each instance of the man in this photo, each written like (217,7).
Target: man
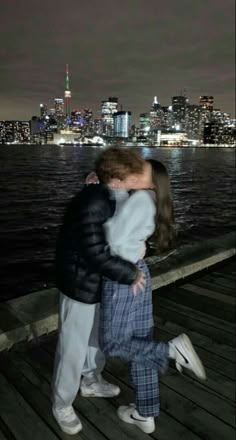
(82,259)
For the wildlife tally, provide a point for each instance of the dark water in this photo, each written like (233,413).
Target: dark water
(37,182)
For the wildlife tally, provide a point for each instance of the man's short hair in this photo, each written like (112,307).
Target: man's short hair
(118,163)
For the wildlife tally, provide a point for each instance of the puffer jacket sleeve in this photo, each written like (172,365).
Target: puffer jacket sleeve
(93,245)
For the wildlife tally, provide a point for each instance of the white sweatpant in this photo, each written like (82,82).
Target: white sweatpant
(77,351)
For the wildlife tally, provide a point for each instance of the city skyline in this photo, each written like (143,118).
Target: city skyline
(128,49)
(49,105)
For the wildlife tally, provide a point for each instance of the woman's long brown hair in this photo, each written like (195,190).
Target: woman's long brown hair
(164,220)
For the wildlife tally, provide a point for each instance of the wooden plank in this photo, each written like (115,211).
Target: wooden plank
(203,423)
(2,436)
(104,415)
(199,302)
(216,383)
(126,394)
(201,316)
(228,268)
(204,397)
(39,360)
(221,280)
(20,418)
(13,371)
(30,386)
(168,314)
(201,395)
(166,426)
(209,293)
(171,311)
(166,331)
(5,432)
(214,286)
(169,427)
(41,371)
(222,372)
(101,413)
(194,417)
(226,275)
(163,278)
(199,340)
(211,360)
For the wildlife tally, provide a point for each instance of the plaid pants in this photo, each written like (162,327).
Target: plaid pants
(126,331)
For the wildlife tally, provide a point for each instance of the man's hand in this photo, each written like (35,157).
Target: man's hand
(139,283)
(91,178)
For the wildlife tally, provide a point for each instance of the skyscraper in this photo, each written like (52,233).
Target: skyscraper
(206,102)
(59,107)
(67,93)
(88,121)
(122,124)
(179,104)
(168,118)
(206,109)
(156,115)
(15,132)
(109,108)
(193,121)
(144,122)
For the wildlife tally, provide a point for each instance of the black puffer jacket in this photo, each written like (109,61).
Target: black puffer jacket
(82,255)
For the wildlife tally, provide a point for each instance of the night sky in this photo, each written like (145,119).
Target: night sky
(132,49)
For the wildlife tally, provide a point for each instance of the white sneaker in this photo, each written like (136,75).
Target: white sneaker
(98,388)
(181,349)
(67,419)
(129,414)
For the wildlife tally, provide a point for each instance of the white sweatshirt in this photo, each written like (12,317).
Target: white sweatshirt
(132,224)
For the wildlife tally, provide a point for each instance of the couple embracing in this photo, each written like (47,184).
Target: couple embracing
(105,290)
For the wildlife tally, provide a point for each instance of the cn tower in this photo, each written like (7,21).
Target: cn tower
(67,93)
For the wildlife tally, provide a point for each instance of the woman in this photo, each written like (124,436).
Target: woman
(126,321)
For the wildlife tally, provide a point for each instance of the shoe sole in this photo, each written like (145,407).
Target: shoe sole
(126,418)
(196,363)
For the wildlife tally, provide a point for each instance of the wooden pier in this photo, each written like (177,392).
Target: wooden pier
(204,308)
